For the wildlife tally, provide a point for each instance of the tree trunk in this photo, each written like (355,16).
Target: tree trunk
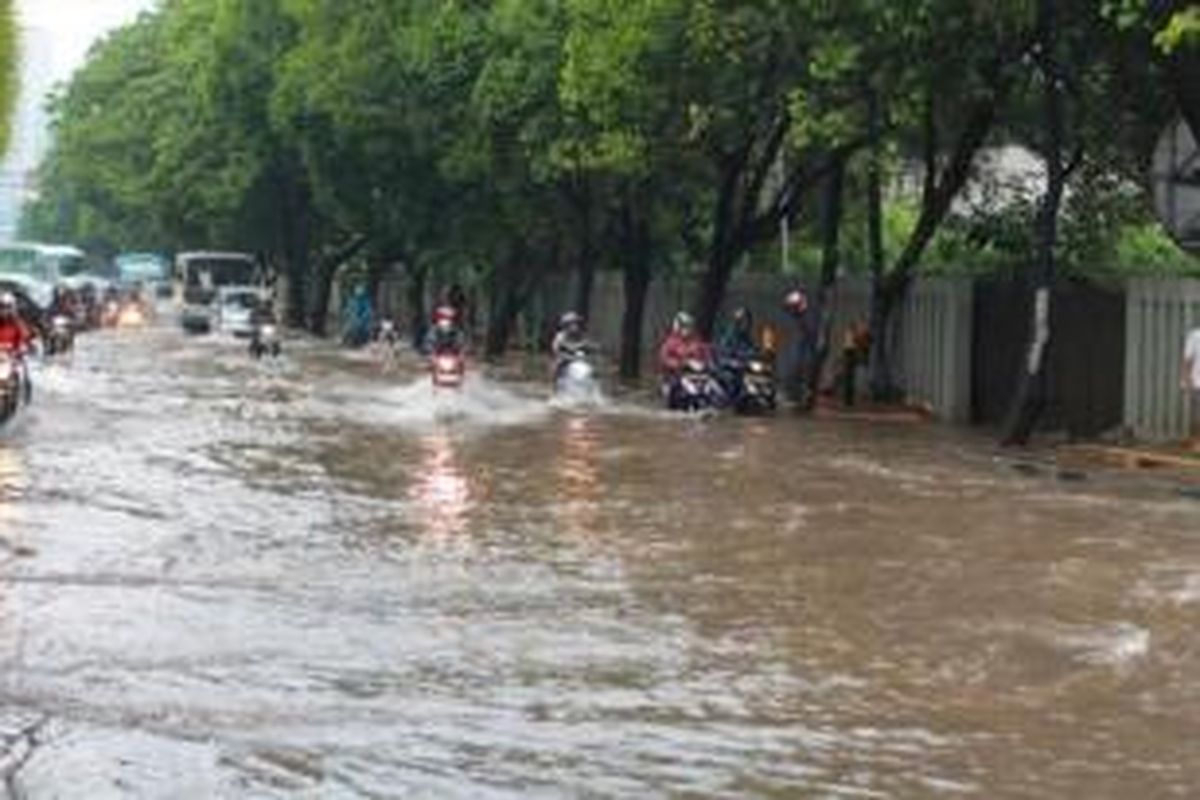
(319,287)
(831,227)
(415,295)
(378,267)
(586,272)
(507,298)
(941,187)
(635,250)
(296,247)
(881,366)
(723,254)
(320,291)
(1033,387)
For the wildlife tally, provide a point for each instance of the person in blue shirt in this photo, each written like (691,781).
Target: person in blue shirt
(358,317)
(737,343)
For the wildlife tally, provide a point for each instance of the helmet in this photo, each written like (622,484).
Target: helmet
(796,301)
(742,317)
(683,322)
(8,301)
(571,319)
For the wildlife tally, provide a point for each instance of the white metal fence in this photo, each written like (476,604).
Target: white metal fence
(935,343)
(1159,313)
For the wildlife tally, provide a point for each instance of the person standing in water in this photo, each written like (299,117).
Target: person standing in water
(1190,383)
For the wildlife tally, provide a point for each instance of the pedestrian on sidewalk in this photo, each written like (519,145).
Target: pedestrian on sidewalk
(1190,382)
(801,345)
(856,350)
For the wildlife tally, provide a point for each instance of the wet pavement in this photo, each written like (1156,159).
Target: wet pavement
(310,579)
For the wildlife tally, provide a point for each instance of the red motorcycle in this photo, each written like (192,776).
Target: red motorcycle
(449,370)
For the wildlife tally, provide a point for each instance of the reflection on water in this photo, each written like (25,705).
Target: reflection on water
(579,484)
(440,490)
(13,484)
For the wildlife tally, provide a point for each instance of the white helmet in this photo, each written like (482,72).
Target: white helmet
(683,322)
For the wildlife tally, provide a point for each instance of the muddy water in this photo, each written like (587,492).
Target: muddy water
(311,580)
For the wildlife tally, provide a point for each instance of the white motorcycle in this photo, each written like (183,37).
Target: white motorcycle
(576,381)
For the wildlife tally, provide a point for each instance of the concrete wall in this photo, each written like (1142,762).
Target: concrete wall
(1158,315)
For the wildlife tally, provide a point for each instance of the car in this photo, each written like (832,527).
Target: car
(236,307)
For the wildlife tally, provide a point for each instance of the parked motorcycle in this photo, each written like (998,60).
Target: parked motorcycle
(264,341)
(60,335)
(449,370)
(694,388)
(749,385)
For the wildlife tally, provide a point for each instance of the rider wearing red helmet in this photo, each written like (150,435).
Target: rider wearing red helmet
(445,335)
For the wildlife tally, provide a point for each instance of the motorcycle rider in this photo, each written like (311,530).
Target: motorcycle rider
(683,344)
(570,341)
(445,335)
(16,337)
(801,345)
(737,343)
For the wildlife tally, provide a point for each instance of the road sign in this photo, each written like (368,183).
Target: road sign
(1176,181)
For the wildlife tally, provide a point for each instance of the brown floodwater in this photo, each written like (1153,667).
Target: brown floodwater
(314,579)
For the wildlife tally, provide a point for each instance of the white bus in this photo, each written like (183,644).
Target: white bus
(38,268)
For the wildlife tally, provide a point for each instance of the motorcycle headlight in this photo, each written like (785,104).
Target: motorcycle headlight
(269,332)
(6,370)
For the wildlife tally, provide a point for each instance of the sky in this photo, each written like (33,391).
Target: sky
(73,25)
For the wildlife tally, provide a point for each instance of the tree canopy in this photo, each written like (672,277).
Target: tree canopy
(509,140)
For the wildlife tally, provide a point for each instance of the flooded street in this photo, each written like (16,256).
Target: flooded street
(308,579)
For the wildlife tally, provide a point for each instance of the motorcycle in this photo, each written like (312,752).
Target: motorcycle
(387,340)
(15,389)
(694,388)
(264,341)
(448,369)
(60,335)
(749,385)
(110,313)
(576,378)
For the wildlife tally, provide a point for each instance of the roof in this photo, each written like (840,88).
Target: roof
(215,255)
(45,249)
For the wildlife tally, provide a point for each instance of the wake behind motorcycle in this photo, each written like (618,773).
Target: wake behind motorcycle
(448,369)
(264,341)
(694,388)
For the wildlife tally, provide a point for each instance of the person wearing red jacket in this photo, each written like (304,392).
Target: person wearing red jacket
(15,335)
(683,344)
